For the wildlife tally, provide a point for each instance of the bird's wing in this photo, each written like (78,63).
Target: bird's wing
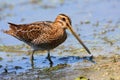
(29,32)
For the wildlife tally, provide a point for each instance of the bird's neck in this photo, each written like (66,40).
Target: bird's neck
(58,23)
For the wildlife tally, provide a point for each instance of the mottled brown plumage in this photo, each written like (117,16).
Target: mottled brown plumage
(44,35)
(39,35)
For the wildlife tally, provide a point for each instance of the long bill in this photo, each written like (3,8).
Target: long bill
(80,41)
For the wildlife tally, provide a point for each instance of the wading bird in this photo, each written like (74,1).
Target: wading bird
(44,35)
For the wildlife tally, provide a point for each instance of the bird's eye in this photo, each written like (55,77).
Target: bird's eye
(63,19)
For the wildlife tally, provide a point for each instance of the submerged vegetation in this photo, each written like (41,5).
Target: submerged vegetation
(55,68)
(17,48)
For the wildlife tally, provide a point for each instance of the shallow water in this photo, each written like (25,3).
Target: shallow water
(97,22)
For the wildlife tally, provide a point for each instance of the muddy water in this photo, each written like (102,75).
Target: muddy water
(96,22)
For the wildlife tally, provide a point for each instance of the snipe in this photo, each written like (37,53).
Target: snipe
(44,35)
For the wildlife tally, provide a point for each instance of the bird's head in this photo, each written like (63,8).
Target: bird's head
(66,23)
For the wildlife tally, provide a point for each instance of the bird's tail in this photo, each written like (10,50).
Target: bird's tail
(12,30)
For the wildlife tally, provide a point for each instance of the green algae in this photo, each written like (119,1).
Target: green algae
(55,68)
(1,58)
(15,48)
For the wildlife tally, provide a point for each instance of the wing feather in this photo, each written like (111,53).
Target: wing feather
(29,32)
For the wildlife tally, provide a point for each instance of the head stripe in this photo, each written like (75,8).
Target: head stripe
(67,17)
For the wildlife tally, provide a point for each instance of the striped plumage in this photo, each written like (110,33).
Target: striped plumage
(44,35)
(39,35)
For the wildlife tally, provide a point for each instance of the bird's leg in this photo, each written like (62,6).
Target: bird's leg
(49,58)
(32,58)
